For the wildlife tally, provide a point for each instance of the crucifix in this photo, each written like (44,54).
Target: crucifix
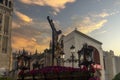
(55,35)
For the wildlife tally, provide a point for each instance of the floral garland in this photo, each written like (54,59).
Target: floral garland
(60,70)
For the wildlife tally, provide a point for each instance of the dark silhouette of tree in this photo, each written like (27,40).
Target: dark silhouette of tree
(117,77)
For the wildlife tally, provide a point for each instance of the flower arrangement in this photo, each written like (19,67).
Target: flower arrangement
(62,72)
(21,72)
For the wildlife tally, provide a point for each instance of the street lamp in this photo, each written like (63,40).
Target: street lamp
(60,58)
(58,61)
(80,57)
(72,50)
(72,58)
(62,55)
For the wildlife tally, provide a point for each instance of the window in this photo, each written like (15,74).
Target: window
(96,56)
(4,44)
(1,22)
(6,2)
(0,41)
(10,4)
(6,25)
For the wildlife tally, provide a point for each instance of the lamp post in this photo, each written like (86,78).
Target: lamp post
(60,59)
(72,50)
(72,58)
(62,56)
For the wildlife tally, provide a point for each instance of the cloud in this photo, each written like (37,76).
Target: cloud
(86,24)
(53,13)
(55,4)
(15,25)
(98,0)
(31,36)
(85,28)
(18,43)
(103,15)
(115,12)
(92,16)
(102,32)
(117,2)
(33,39)
(90,22)
(23,17)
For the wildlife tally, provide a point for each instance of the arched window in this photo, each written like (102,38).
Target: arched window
(6,24)
(4,44)
(1,18)
(6,2)
(10,4)
(96,56)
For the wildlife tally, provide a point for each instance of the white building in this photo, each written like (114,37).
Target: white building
(112,64)
(117,64)
(109,65)
(105,60)
(6,9)
(77,39)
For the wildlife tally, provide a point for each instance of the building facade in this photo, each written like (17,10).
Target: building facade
(117,64)
(109,65)
(112,65)
(77,39)
(6,9)
(106,63)
(106,60)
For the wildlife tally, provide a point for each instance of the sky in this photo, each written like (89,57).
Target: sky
(96,18)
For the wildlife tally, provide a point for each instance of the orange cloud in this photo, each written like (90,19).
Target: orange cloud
(23,37)
(55,4)
(15,25)
(91,27)
(29,44)
(103,15)
(86,25)
(23,17)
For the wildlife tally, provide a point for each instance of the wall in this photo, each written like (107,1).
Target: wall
(5,35)
(117,64)
(109,62)
(77,39)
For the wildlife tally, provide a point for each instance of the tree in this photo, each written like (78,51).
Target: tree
(117,77)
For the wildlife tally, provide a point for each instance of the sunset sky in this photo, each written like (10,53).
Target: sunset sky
(99,19)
